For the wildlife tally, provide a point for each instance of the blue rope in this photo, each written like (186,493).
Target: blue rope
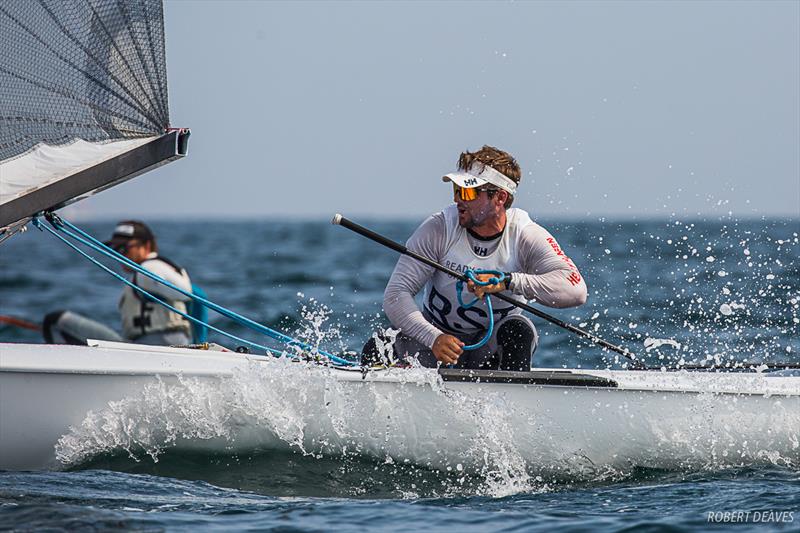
(41,226)
(94,244)
(89,241)
(242,320)
(497,277)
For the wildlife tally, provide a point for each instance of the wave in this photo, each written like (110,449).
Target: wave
(485,443)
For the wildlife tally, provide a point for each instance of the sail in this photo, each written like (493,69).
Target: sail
(83,83)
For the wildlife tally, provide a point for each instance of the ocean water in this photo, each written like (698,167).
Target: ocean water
(722,292)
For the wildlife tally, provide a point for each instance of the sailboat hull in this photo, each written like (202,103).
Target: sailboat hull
(62,405)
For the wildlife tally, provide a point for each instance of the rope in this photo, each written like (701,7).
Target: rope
(41,226)
(497,277)
(89,241)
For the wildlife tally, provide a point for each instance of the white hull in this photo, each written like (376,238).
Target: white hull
(60,405)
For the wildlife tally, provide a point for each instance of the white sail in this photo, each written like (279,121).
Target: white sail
(46,164)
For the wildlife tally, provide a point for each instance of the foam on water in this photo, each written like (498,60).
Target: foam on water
(280,405)
(283,405)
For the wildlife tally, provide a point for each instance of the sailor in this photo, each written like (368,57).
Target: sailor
(479,231)
(145,321)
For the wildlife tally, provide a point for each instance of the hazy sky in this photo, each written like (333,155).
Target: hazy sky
(612,108)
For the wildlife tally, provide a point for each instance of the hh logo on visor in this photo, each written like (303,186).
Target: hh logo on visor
(480,174)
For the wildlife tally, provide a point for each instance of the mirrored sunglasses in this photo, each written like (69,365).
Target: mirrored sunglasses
(468,194)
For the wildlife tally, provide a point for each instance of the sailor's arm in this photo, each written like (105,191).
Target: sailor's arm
(166,272)
(409,277)
(549,276)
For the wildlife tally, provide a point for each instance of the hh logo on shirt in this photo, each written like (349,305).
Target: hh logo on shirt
(483,252)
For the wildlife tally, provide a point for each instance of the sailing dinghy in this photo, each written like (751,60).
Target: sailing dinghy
(62,405)
(89,112)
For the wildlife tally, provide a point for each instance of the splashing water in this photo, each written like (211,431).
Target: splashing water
(512,441)
(661,283)
(655,344)
(726,292)
(278,405)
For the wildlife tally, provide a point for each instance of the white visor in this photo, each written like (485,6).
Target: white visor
(480,174)
(124,230)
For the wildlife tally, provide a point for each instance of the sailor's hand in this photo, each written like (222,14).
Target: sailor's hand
(480,290)
(447,348)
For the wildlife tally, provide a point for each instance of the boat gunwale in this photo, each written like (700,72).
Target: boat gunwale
(446,383)
(222,364)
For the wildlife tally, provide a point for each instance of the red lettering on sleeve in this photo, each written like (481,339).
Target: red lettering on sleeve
(557,249)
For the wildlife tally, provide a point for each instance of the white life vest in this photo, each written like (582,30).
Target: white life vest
(141,316)
(440,300)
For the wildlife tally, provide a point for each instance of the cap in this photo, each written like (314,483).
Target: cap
(479,174)
(129,230)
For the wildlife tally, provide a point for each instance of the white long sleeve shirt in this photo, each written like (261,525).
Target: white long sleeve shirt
(547,276)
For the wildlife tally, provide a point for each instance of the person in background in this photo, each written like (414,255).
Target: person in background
(143,320)
(480,230)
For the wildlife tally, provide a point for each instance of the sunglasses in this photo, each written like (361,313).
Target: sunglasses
(123,248)
(468,194)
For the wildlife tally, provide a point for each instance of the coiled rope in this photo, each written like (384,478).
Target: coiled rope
(62,226)
(497,277)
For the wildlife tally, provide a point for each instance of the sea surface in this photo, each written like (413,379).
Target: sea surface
(676,292)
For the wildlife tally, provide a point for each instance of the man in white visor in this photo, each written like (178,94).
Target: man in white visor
(480,230)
